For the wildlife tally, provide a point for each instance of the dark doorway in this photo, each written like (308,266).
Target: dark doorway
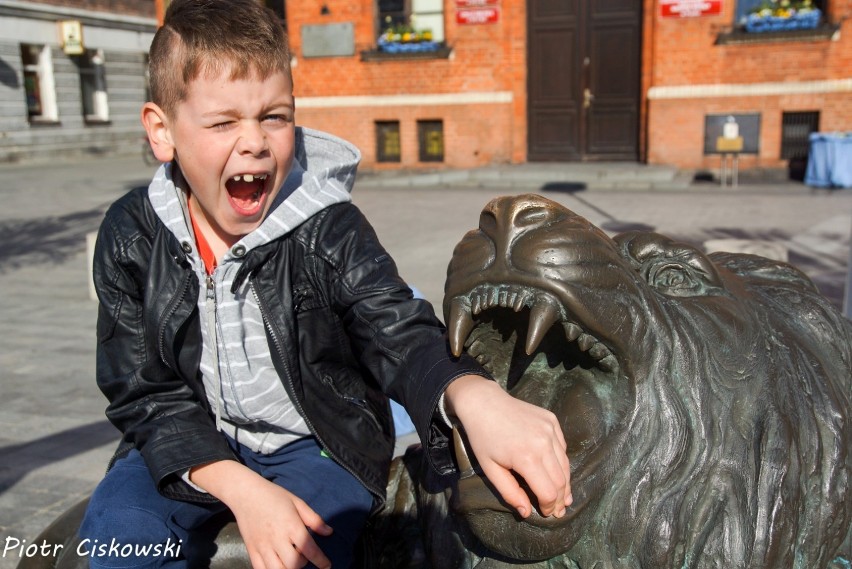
(583,66)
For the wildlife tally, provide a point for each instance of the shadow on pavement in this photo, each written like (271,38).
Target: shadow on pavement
(19,459)
(45,240)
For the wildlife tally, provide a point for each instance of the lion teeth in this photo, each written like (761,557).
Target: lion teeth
(545,312)
(465,465)
(586,341)
(461,324)
(572,331)
(477,305)
(504,298)
(609,363)
(599,351)
(542,316)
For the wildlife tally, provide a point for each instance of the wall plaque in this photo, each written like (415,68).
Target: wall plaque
(328,40)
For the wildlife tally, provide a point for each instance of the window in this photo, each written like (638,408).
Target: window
(39,88)
(796,129)
(430,136)
(420,19)
(388,144)
(93,91)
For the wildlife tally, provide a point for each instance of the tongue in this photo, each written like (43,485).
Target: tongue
(243,193)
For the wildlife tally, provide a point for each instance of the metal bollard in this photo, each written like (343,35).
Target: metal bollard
(90,257)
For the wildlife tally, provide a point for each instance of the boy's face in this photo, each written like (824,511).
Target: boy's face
(234,142)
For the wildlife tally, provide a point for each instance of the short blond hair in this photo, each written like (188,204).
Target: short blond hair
(209,36)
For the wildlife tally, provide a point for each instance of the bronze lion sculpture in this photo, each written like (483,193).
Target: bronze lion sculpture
(705,400)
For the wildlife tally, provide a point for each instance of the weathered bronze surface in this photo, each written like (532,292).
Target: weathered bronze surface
(705,400)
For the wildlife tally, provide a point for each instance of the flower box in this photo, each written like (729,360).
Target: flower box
(802,20)
(408,47)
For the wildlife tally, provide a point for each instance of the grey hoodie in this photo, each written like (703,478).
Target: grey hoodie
(242,386)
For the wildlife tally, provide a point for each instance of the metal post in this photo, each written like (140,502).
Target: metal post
(736,169)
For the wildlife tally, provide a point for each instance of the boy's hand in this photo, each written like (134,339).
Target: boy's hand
(273,522)
(509,435)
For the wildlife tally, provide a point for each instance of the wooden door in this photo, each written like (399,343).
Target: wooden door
(583,79)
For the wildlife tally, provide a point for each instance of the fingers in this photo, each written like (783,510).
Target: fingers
(304,544)
(311,519)
(543,465)
(508,488)
(296,555)
(307,550)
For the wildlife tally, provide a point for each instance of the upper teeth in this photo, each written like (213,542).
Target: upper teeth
(249,177)
(544,313)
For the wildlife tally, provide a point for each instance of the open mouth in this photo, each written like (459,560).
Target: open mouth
(540,353)
(246,192)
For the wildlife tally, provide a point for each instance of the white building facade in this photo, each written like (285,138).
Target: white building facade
(72,81)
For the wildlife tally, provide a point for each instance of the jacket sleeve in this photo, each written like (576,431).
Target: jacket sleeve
(397,338)
(154,408)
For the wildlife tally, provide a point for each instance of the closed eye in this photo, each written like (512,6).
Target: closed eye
(276,119)
(223,126)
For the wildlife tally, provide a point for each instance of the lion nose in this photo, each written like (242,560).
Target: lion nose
(506,218)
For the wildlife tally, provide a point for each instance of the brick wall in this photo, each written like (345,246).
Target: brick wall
(486,62)
(765,77)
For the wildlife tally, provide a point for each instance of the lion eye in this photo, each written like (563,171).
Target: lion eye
(676,279)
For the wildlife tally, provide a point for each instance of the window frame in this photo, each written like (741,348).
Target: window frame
(399,37)
(39,83)
(94,98)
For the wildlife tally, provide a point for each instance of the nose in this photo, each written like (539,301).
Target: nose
(252,140)
(506,218)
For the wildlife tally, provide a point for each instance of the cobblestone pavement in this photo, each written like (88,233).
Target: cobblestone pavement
(54,440)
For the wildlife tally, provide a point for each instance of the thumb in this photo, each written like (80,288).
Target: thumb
(507,486)
(311,519)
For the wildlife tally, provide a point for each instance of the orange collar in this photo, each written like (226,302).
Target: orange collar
(203,247)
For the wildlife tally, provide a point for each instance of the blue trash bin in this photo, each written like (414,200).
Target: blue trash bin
(829,160)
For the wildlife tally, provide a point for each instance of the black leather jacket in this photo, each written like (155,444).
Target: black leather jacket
(342,327)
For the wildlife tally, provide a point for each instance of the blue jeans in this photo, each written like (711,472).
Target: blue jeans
(127,510)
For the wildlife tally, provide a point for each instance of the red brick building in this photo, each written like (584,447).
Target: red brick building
(514,81)
(465,83)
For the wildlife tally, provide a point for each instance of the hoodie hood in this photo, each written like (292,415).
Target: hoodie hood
(323,174)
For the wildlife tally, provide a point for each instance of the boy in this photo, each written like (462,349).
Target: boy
(250,322)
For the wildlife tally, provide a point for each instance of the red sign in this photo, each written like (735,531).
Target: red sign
(477,15)
(474,3)
(690,8)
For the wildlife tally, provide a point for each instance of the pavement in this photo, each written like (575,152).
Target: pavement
(54,440)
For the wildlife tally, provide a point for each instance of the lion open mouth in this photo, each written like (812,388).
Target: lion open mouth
(540,353)
(517,301)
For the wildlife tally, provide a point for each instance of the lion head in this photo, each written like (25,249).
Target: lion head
(705,399)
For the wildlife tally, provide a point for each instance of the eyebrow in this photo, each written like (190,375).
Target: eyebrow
(235,112)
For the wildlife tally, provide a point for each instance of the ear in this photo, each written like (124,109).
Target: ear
(156,124)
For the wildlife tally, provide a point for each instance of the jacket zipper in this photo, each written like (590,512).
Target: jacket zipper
(292,389)
(172,308)
(356,401)
(210,309)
